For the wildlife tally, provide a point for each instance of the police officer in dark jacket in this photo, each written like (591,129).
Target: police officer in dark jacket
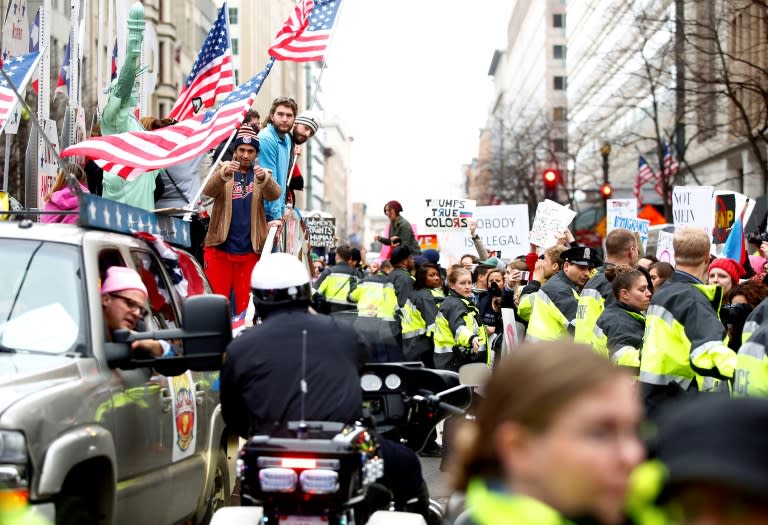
(261,378)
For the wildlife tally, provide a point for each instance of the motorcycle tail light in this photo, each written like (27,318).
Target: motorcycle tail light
(300,463)
(278,479)
(319,481)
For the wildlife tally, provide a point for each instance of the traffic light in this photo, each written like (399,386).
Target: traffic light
(606,191)
(551,180)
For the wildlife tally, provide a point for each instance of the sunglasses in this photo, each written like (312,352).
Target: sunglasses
(131,304)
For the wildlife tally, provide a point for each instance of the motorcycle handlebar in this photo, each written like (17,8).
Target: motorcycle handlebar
(434,401)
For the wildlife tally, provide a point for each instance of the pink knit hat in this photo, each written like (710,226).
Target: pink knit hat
(120,278)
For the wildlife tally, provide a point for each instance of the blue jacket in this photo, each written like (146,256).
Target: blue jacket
(275,153)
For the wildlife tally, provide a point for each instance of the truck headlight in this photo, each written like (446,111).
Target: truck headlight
(13,447)
(14,492)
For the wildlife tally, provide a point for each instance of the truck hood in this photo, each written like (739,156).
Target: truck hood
(24,374)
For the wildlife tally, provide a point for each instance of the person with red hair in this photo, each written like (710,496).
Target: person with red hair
(400,231)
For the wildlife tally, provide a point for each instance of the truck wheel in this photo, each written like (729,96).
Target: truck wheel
(221,489)
(73,509)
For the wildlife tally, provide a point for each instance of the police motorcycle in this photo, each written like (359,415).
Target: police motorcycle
(313,473)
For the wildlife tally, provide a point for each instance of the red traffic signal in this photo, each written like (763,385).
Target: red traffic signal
(550,178)
(606,191)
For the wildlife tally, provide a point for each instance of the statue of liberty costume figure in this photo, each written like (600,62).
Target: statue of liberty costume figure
(119,117)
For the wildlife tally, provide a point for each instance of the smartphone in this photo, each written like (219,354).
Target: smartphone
(524,276)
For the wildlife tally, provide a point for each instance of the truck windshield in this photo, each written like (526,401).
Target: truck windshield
(41,297)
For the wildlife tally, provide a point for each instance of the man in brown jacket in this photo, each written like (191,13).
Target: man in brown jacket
(238,226)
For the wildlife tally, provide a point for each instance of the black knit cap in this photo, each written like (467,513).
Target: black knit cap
(716,439)
(399,254)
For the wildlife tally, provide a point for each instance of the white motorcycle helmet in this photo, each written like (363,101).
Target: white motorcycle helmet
(280,279)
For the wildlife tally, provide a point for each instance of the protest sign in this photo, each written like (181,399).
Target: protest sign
(619,208)
(551,219)
(428,241)
(322,231)
(665,251)
(727,205)
(634,224)
(501,228)
(693,206)
(448,214)
(511,339)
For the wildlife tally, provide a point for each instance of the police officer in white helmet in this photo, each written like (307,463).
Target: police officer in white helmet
(261,377)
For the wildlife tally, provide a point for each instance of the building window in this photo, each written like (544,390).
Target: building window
(559,83)
(558,20)
(558,52)
(161,60)
(558,114)
(233,16)
(235,46)
(558,145)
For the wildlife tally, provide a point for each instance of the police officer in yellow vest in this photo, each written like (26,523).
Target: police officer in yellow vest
(549,264)
(754,320)
(683,347)
(336,283)
(376,308)
(620,248)
(751,375)
(554,310)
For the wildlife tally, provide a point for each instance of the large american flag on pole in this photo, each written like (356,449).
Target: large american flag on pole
(19,70)
(212,73)
(135,152)
(305,35)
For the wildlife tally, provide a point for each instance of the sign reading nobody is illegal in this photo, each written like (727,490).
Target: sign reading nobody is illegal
(321,232)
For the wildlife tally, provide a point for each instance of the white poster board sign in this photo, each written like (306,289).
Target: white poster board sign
(511,339)
(448,214)
(551,219)
(634,224)
(501,228)
(665,251)
(619,208)
(693,206)
(47,165)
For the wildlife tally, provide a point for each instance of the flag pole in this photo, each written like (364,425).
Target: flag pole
(193,202)
(325,60)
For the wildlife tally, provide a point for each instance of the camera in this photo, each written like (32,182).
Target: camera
(735,314)
(494,290)
(757,237)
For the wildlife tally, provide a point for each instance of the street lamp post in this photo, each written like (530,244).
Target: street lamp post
(605,190)
(605,150)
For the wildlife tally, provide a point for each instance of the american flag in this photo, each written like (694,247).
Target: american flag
(305,35)
(19,70)
(132,153)
(670,169)
(644,174)
(670,162)
(212,73)
(62,83)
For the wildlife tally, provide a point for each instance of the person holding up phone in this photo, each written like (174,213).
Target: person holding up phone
(400,231)
(238,226)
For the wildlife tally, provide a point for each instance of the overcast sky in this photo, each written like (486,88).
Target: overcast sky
(409,80)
